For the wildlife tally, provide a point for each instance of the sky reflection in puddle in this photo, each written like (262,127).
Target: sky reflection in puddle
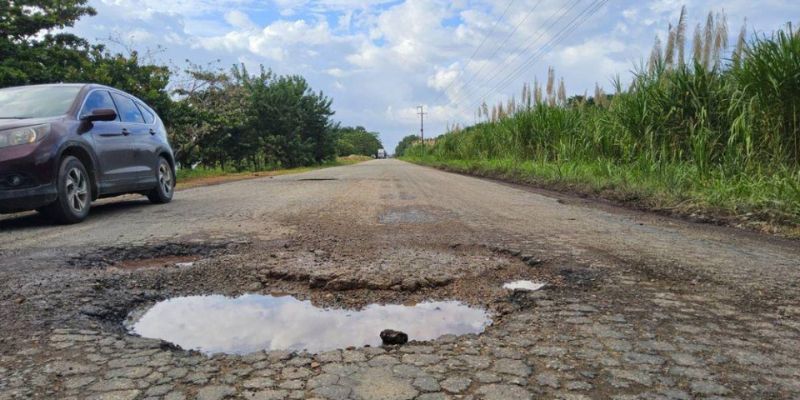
(219,324)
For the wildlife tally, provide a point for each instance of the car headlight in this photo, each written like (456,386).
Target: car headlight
(28,134)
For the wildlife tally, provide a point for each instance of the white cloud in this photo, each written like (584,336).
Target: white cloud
(276,41)
(240,20)
(444,77)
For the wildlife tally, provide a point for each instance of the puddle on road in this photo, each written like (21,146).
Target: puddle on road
(219,324)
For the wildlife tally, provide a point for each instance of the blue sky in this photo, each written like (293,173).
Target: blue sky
(380,59)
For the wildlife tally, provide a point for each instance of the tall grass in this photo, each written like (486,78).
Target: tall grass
(709,130)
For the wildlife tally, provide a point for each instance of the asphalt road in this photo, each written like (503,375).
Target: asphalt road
(368,191)
(638,304)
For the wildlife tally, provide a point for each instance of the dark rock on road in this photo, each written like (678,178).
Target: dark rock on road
(392,337)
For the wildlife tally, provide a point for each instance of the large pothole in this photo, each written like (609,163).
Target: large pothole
(250,323)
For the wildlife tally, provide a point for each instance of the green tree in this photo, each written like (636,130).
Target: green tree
(405,144)
(357,141)
(31,53)
(287,118)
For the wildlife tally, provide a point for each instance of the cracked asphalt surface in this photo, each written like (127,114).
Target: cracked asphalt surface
(637,306)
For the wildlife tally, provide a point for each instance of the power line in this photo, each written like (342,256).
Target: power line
(589,11)
(504,42)
(542,30)
(560,36)
(474,53)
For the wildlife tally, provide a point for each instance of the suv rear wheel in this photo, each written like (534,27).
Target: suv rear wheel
(74,193)
(162,193)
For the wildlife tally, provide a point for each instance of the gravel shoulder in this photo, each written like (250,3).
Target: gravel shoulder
(637,305)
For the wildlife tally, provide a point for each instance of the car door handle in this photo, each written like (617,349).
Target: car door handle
(152,131)
(125,131)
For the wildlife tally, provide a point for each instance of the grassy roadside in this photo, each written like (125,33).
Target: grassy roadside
(713,135)
(189,178)
(740,201)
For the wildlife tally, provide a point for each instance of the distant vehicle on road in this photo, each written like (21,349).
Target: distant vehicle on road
(381,153)
(64,145)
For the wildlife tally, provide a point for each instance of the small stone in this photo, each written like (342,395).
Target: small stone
(709,388)
(330,356)
(578,385)
(392,337)
(258,383)
(456,385)
(432,396)
(215,392)
(639,377)
(548,379)
(379,384)
(117,395)
(641,358)
(292,385)
(128,372)
(108,385)
(383,360)
(69,368)
(268,394)
(322,380)
(295,373)
(158,390)
(407,371)
(486,377)
(333,392)
(74,383)
(511,367)
(421,359)
(177,373)
(176,395)
(503,392)
(685,359)
(426,384)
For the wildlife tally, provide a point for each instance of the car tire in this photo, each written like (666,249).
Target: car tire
(165,177)
(74,193)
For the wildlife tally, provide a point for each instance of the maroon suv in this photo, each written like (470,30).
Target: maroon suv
(63,146)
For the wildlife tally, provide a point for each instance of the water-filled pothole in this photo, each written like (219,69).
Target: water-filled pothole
(249,323)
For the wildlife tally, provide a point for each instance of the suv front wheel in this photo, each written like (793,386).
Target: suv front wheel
(162,193)
(74,193)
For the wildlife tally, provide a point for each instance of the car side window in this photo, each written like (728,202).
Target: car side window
(128,112)
(97,99)
(149,118)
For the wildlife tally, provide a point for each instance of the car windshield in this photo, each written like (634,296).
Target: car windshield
(36,101)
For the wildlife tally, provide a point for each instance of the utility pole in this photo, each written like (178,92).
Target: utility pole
(421,114)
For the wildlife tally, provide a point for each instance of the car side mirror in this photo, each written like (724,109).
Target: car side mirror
(100,114)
